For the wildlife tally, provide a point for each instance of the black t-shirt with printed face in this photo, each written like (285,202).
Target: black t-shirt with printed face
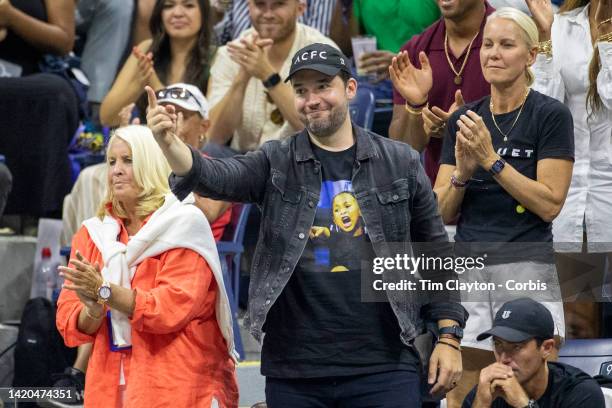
(319,327)
(568,387)
(544,129)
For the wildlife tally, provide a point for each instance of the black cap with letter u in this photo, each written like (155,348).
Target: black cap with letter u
(520,320)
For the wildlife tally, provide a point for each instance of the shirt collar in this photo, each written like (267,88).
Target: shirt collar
(365,147)
(578,16)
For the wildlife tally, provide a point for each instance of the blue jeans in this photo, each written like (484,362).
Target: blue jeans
(391,389)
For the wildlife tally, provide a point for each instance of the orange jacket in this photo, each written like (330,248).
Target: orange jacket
(178,357)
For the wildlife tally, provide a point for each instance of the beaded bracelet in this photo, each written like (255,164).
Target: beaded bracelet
(455,182)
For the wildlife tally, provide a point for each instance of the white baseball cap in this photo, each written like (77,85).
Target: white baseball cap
(186,96)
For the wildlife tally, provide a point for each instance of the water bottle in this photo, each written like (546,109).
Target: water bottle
(45,278)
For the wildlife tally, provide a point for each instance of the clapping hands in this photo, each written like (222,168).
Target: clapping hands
(412,83)
(146,69)
(251,53)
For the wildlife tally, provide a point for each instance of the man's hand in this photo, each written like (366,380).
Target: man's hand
(445,368)
(511,391)
(543,15)
(435,119)
(376,62)
(162,120)
(412,83)
(251,53)
(485,394)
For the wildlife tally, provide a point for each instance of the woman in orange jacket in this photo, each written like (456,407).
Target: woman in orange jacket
(144,285)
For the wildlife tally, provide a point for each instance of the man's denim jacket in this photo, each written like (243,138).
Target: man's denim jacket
(284,179)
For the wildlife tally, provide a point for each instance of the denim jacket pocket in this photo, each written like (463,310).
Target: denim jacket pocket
(288,194)
(395,210)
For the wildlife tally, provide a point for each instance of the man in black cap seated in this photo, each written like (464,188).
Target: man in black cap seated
(523,332)
(330,195)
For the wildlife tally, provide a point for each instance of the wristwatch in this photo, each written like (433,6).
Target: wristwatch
(104,292)
(497,167)
(452,330)
(532,404)
(272,81)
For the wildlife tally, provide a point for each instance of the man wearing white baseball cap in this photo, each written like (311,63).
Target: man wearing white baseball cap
(193,107)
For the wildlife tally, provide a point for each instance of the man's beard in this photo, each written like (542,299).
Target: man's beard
(282,32)
(326,127)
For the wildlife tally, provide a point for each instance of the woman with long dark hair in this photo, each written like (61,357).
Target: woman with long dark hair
(180,51)
(575,67)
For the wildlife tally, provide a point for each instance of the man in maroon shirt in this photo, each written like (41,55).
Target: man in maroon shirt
(443,75)
(434,72)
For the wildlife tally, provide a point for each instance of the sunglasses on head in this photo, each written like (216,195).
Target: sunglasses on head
(177,93)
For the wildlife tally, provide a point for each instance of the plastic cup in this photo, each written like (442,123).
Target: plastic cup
(361,45)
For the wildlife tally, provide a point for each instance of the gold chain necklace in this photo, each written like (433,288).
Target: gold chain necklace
(505,135)
(458,80)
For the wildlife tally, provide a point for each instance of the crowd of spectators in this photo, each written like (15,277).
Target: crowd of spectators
(509,104)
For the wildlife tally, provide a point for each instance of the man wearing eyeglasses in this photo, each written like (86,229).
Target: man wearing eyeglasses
(249,103)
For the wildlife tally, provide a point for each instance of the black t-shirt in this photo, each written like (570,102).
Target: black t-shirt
(319,327)
(17,50)
(568,387)
(488,213)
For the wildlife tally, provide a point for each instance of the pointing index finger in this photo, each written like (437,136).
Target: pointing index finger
(152,99)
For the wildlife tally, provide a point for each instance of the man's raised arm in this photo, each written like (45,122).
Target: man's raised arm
(164,122)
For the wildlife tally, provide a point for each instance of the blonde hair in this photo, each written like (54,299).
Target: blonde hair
(150,168)
(529,31)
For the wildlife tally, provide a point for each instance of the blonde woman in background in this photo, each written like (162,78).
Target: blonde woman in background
(505,169)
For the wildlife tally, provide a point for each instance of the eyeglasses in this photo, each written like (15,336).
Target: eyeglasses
(177,93)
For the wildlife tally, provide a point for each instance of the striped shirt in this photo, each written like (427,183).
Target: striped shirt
(318,15)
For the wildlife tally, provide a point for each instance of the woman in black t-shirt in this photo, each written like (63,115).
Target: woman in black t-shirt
(505,171)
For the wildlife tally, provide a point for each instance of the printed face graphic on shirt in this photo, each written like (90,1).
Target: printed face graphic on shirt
(338,229)
(346,212)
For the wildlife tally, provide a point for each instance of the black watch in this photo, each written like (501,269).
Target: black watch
(497,167)
(452,330)
(272,81)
